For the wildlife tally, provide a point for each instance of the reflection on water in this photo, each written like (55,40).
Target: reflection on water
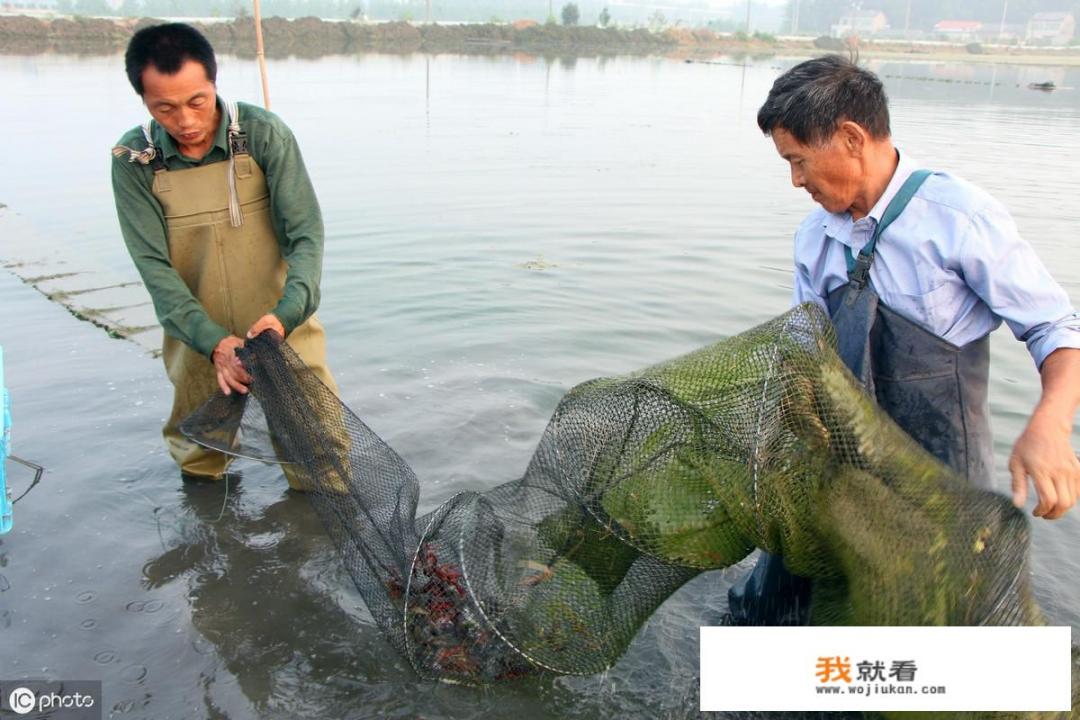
(256,583)
(499,229)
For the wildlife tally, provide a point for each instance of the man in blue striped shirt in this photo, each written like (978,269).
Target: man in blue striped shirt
(916,268)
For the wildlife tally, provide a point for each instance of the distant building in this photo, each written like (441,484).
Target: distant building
(1051,28)
(958,30)
(39,8)
(863,23)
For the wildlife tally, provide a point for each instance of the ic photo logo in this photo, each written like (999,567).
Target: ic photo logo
(22,701)
(68,699)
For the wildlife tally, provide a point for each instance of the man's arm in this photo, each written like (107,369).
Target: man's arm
(1043,452)
(803,290)
(298,223)
(1005,272)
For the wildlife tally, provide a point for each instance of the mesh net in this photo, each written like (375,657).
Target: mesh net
(763,440)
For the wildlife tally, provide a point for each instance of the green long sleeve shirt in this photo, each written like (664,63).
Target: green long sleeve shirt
(294,209)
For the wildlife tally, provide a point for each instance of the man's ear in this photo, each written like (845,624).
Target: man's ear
(853,138)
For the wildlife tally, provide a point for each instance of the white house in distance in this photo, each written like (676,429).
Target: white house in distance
(862,23)
(1051,28)
(958,30)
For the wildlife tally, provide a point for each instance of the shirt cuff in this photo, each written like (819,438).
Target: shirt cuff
(1063,334)
(290,313)
(207,336)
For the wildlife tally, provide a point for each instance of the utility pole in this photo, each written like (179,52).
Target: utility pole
(551,11)
(795,19)
(1004,12)
(907,21)
(748,2)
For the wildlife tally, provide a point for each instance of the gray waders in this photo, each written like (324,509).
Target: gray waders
(223,245)
(935,391)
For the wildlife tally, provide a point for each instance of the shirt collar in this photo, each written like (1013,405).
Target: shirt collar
(838,225)
(168,146)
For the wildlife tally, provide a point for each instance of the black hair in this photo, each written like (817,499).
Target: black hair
(811,100)
(167,47)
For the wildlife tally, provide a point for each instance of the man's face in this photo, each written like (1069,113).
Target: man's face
(185,104)
(831,173)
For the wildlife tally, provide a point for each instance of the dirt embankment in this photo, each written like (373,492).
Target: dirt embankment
(312,37)
(29,35)
(309,37)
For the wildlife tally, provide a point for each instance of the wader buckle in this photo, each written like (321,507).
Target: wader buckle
(860,274)
(238,142)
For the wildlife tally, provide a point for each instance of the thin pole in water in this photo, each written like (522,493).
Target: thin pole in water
(261,55)
(5,450)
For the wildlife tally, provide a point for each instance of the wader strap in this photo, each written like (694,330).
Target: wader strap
(859,270)
(237,146)
(156,161)
(149,155)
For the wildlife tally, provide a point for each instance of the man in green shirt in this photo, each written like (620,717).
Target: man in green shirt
(219,215)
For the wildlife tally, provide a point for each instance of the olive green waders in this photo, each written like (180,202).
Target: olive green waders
(236,272)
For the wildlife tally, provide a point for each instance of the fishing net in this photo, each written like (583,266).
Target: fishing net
(639,483)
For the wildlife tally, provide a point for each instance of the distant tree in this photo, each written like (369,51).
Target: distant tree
(828,42)
(357,13)
(604,19)
(570,14)
(723,25)
(240,11)
(657,21)
(156,8)
(93,7)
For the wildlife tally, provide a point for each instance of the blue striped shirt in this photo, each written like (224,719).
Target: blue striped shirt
(953,262)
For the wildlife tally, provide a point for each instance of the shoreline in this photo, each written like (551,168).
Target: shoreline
(311,38)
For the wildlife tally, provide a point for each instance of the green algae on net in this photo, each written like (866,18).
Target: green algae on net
(638,484)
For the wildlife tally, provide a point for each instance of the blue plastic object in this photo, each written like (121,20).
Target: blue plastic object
(5,451)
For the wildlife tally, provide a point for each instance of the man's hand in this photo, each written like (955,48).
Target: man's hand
(231,374)
(1043,452)
(268,321)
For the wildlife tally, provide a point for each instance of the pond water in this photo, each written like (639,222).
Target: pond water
(498,230)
